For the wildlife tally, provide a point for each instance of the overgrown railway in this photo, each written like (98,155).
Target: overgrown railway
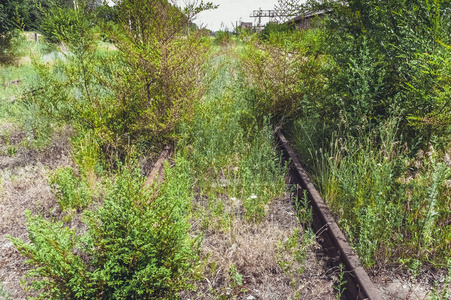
(357,283)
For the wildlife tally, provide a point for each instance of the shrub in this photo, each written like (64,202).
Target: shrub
(390,58)
(136,246)
(392,207)
(71,191)
(223,37)
(273,28)
(284,74)
(137,94)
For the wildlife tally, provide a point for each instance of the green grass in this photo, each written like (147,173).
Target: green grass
(233,156)
(394,208)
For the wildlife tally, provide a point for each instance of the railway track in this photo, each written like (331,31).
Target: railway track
(358,284)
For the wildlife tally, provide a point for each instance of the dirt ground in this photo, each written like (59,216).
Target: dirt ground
(396,283)
(24,185)
(268,270)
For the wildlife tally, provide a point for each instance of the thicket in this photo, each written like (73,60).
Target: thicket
(23,15)
(375,135)
(7,32)
(137,93)
(122,98)
(365,97)
(284,72)
(136,245)
(223,37)
(389,58)
(274,28)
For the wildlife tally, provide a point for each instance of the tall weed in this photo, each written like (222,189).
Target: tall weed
(232,155)
(391,210)
(283,73)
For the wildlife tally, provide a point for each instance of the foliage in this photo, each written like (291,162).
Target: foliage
(7,31)
(340,286)
(274,28)
(4,295)
(71,191)
(136,244)
(392,207)
(229,170)
(135,95)
(390,57)
(284,74)
(223,38)
(18,15)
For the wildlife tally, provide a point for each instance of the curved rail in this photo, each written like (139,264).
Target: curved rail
(358,283)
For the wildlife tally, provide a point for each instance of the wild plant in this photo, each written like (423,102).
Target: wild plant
(282,73)
(4,295)
(386,202)
(135,95)
(339,287)
(71,191)
(304,210)
(379,70)
(444,293)
(232,155)
(136,244)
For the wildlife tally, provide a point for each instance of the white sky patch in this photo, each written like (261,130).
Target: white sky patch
(232,11)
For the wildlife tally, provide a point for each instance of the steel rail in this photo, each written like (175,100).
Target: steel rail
(158,167)
(358,284)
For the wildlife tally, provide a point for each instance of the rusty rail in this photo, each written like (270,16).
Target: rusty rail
(158,167)
(359,285)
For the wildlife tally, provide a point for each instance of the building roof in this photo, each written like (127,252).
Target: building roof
(310,14)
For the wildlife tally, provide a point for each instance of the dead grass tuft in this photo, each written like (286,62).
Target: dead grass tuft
(24,185)
(255,251)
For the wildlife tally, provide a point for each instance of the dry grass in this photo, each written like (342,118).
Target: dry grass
(254,250)
(24,185)
(399,283)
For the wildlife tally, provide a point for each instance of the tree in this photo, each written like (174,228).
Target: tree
(137,95)
(390,57)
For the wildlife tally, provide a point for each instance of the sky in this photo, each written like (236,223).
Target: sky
(231,11)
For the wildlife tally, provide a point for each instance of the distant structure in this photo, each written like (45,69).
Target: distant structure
(310,19)
(283,12)
(259,14)
(246,25)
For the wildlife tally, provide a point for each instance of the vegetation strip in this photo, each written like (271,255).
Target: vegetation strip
(359,285)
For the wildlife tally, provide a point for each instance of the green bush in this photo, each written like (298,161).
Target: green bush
(272,29)
(136,94)
(285,75)
(223,37)
(136,245)
(390,58)
(70,191)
